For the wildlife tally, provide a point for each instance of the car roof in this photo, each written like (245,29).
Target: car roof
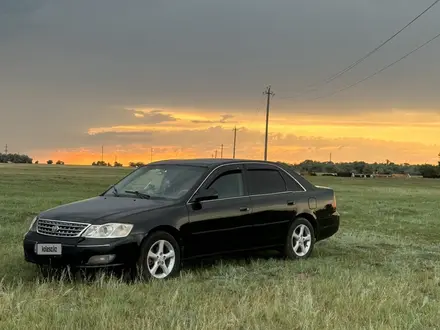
(214,162)
(208,162)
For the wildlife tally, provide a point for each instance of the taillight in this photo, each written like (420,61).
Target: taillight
(334,201)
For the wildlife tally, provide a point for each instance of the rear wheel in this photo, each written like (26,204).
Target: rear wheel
(300,239)
(159,257)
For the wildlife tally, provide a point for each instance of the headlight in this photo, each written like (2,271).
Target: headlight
(33,223)
(108,230)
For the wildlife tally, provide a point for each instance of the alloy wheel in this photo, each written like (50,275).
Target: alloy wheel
(301,240)
(161,259)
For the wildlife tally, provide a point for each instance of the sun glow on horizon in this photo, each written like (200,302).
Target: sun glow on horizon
(399,135)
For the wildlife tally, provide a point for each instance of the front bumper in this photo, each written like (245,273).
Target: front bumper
(76,252)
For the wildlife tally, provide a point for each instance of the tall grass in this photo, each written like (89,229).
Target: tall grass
(381,271)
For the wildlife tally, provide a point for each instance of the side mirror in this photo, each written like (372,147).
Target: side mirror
(206,195)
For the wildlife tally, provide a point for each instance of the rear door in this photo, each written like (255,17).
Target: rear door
(273,203)
(223,224)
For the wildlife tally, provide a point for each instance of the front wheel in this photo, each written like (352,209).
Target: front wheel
(300,239)
(159,256)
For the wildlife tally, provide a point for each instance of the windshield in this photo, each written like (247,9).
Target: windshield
(158,182)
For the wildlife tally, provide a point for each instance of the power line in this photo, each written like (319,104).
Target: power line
(381,45)
(351,66)
(269,94)
(379,71)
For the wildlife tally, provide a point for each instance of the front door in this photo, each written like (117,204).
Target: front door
(223,224)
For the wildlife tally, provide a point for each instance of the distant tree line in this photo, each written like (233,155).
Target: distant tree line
(50,162)
(116,164)
(345,168)
(360,167)
(102,163)
(15,158)
(136,164)
(307,166)
(23,159)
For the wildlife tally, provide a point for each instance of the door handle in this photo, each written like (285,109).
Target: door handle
(244,209)
(290,202)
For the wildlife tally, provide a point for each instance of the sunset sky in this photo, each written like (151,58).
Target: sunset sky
(178,76)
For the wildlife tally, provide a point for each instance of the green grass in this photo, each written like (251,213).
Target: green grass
(380,271)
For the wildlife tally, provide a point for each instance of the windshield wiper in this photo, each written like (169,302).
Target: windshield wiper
(138,194)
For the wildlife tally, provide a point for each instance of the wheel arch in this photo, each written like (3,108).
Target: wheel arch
(167,228)
(311,219)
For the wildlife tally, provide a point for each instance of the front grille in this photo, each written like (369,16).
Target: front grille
(60,228)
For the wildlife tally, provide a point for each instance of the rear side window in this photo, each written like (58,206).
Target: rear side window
(264,181)
(292,185)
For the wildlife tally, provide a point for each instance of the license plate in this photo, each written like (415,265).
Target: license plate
(48,249)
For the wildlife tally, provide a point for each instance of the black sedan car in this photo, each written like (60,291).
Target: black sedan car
(170,211)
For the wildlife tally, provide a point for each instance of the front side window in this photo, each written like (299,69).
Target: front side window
(229,184)
(159,181)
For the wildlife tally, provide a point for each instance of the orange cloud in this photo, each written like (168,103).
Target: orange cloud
(396,135)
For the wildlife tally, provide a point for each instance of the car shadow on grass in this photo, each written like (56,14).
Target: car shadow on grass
(249,262)
(28,274)
(246,265)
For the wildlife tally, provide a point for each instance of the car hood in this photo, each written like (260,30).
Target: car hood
(99,208)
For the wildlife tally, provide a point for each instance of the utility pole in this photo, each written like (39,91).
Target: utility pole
(269,93)
(215,153)
(235,140)
(6,149)
(221,151)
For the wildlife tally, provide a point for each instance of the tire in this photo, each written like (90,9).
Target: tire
(298,226)
(153,263)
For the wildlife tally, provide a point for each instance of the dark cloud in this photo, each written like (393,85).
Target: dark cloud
(68,65)
(17,8)
(16,16)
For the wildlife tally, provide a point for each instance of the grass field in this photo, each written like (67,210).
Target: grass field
(381,271)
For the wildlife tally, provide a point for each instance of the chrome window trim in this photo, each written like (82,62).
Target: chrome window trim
(225,199)
(87,225)
(244,163)
(249,196)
